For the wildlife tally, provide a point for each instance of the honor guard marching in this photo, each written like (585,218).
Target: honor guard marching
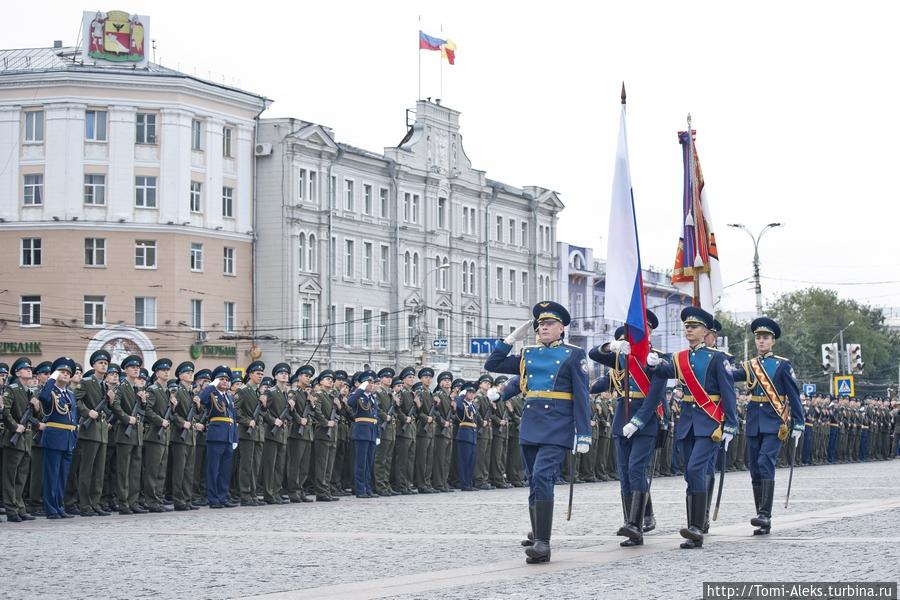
(556,417)
(61,418)
(364,407)
(708,414)
(775,405)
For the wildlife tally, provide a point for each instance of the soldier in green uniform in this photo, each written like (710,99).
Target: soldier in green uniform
(35,498)
(183,438)
(425,433)
(341,472)
(587,462)
(93,397)
(249,407)
(201,380)
(300,436)
(405,445)
(483,441)
(453,478)
(384,452)
(278,417)
(16,440)
(499,435)
(443,432)
(160,402)
(515,471)
(129,436)
(325,438)
(604,436)
(110,476)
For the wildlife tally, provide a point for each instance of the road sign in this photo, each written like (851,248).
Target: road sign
(843,386)
(809,389)
(482,345)
(439,343)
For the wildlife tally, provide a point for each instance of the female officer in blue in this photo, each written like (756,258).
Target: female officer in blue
(635,440)
(556,417)
(466,436)
(775,400)
(61,417)
(221,437)
(364,433)
(708,411)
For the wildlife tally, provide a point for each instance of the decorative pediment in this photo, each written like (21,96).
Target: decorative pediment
(444,302)
(550,200)
(472,306)
(310,286)
(316,135)
(413,300)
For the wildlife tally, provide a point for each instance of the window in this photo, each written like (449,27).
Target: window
(145,132)
(348,326)
(145,254)
(441,328)
(410,330)
(228,202)
(332,192)
(367,199)
(499,288)
(196,314)
(348,258)
(500,332)
(407,260)
(407,206)
(301,187)
(145,312)
(332,317)
(524,298)
(577,307)
(229,317)
(332,257)
(385,263)
(306,322)
(415,208)
(313,187)
(524,239)
(367,260)
(228,265)
(499,229)
(468,220)
(227,133)
(196,257)
(512,285)
(367,328)
(544,231)
(145,192)
(442,213)
(512,232)
(383,199)
(415,268)
(196,187)
(31,252)
(30,311)
(195,135)
(34,126)
(541,237)
(442,272)
(94,252)
(301,252)
(94,311)
(465,277)
(95,190)
(95,125)
(383,330)
(312,256)
(33,190)
(348,194)
(469,333)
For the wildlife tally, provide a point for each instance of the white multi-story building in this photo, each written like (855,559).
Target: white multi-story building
(126,209)
(398,258)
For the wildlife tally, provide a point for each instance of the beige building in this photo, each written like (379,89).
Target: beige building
(126,211)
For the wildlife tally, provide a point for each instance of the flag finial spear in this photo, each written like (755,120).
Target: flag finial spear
(623,92)
(689,122)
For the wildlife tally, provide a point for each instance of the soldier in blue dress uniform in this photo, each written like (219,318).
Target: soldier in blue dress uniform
(466,436)
(556,417)
(364,432)
(775,400)
(61,418)
(221,436)
(708,412)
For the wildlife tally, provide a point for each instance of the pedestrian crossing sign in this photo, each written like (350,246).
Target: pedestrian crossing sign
(843,386)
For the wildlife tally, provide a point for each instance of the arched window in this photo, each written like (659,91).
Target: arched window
(406,267)
(472,277)
(313,263)
(444,273)
(301,254)
(415,269)
(465,277)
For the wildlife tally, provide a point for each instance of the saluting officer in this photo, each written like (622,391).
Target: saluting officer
(18,399)
(556,417)
(364,433)
(61,417)
(221,436)
(466,436)
(775,401)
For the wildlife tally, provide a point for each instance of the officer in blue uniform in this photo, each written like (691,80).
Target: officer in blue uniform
(221,437)
(775,398)
(708,411)
(635,440)
(364,432)
(556,417)
(466,436)
(61,417)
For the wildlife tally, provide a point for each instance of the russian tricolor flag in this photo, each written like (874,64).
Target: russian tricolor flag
(446,47)
(624,299)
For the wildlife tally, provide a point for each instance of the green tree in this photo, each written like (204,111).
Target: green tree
(736,332)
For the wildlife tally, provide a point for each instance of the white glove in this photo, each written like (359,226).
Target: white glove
(727,437)
(582,444)
(234,445)
(795,434)
(520,333)
(629,430)
(652,359)
(620,346)
(377,441)
(493,394)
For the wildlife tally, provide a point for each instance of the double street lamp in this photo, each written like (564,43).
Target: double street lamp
(756,258)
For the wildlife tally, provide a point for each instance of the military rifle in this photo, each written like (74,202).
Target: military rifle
(166,417)
(282,417)
(137,412)
(333,417)
(390,413)
(256,412)
(189,419)
(305,415)
(27,417)
(86,421)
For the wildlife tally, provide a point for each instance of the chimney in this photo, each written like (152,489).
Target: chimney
(57,44)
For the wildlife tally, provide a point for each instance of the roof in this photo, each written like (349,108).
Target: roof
(53,60)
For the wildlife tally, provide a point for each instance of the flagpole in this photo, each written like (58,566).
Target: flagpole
(693,211)
(441,61)
(626,387)
(419,97)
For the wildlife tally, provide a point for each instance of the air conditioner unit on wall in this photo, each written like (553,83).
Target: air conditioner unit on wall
(263,149)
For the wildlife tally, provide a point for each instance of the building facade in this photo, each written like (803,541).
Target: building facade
(126,210)
(394,258)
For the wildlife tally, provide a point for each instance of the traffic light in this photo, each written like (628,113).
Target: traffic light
(830,358)
(854,358)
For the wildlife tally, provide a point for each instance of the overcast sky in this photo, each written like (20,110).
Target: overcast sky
(795,106)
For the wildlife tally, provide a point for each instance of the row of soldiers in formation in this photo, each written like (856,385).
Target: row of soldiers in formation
(293,437)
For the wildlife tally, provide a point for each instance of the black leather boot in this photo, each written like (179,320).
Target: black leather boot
(543,525)
(693,533)
(649,518)
(763,518)
(529,541)
(710,488)
(626,506)
(633,529)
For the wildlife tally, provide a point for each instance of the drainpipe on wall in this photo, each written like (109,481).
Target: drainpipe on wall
(393,170)
(332,202)
(255,217)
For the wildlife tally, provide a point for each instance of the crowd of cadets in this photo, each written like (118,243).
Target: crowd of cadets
(141,436)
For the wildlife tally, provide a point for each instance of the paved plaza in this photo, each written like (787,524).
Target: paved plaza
(842,525)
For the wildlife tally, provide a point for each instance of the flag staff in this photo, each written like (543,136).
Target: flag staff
(441,62)
(690,221)
(419,97)
(626,387)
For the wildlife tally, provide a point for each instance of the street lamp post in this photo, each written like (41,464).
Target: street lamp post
(756,239)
